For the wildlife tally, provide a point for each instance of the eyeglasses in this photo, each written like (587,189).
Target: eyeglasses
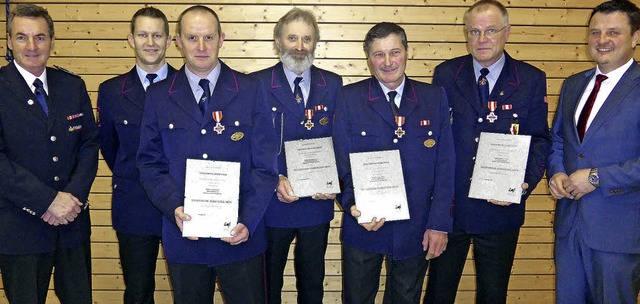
(489,33)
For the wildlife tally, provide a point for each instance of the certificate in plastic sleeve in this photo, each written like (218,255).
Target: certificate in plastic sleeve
(311,166)
(211,193)
(378,186)
(500,166)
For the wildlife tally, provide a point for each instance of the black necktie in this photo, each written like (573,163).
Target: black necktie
(151,77)
(206,95)
(586,110)
(297,92)
(41,95)
(483,86)
(392,101)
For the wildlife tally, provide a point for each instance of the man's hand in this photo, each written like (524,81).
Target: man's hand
(558,184)
(284,191)
(182,217)
(64,209)
(524,186)
(240,234)
(374,225)
(434,243)
(579,184)
(48,218)
(323,196)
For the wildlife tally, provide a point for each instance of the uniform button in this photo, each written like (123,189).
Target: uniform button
(53,138)
(395,140)
(205,156)
(473,158)
(170,126)
(237,123)
(480,119)
(515,115)
(302,122)
(326,109)
(56,178)
(55,159)
(363,133)
(203,131)
(581,155)
(477,139)
(430,133)
(125,122)
(30,102)
(274,109)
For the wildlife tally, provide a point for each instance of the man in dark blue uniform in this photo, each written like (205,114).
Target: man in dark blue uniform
(179,123)
(120,103)
(365,122)
(488,92)
(288,216)
(48,161)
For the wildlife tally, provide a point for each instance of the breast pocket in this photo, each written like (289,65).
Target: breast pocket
(176,139)
(367,137)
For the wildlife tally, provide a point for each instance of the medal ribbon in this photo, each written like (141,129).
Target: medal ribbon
(399,120)
(217,116)
(308,113)
(493,105)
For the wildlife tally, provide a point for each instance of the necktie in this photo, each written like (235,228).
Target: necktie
(483,86)
(586,111)
(206,95)
(151,77)
(41,95)
(392,101)
(297,92)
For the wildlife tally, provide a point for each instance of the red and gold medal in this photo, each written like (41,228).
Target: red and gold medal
(217,116)
(308,113)
(399,121)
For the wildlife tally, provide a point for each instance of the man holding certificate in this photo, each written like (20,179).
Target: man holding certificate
(406,124)
(490,92)
(207,111)
(299,92)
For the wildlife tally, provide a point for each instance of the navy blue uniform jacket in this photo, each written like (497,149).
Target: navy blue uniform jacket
(120,104)
(173,130)
(286,116)
(365,122)
(41,155)
(521,93)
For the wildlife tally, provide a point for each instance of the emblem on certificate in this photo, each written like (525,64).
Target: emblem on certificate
(399,122)
(324,121)
(308,113)
(493,105)
(217,116)
(429,143)
(237,136)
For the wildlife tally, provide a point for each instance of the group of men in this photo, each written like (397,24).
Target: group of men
(154,117)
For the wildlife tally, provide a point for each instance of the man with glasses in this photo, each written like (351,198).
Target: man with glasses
(488,91)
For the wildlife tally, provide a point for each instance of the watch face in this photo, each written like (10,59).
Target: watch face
(593,179)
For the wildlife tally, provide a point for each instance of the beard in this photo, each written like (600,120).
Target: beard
(297,65)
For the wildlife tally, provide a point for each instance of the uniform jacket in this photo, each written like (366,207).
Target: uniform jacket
(286,118)
(41,155)
(610,215)
(174,130)
(365,122)
(521,95)
(121,103)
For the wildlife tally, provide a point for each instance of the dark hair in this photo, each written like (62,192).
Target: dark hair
(622,6)
(201,8)
(30,11)
(297,14)
(483,5)
(383,30)
(150,12)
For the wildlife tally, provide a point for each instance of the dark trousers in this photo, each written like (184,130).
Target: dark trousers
(26,276)
(586,275)
(361,278)
(493,255)
(138,256)
(241,282)
(311,245)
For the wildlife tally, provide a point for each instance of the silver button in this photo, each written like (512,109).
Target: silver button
(53,138)
(515,115)
(480,119)
(302,122)
(115,186)
(363,133)
(274,109)
(395,140)
(205,156)
(125,122)
(326,109)
(55,159)
(473,158)
(477,139)
(430,133)
(55,178)
(203,131)
(30,102)
(237,123)
(170,126)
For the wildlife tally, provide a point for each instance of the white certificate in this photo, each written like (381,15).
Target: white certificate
(378,186)
(500,166)
(311,166)
(211,193)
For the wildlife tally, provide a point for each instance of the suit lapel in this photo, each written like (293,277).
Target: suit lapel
(224,92)
(282,91)
(20,89)
(464,77)
(318,88)
(409,99)
(508,82)
(625,85)
(180,93)
(132,89)
(575,100)
(378,102)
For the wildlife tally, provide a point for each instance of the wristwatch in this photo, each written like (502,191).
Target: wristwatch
(593,178)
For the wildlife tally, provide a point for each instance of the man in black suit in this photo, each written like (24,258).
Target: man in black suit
(121,99)
(48,160)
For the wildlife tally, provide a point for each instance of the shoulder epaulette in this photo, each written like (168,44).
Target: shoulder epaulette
(66,71)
